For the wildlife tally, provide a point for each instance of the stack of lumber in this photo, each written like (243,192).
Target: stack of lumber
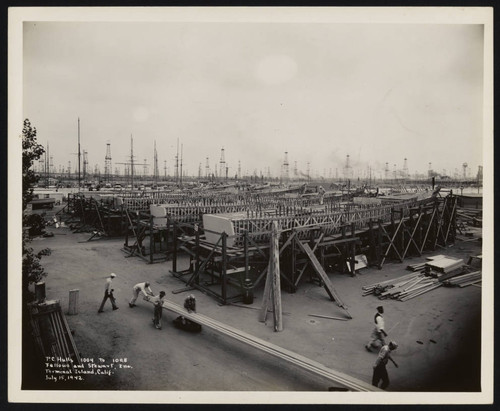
(439,263)
(403,288)
(51,331)
(419,282)
(416,267)
(444,264)
(382,286)
(464,280)
(471,217)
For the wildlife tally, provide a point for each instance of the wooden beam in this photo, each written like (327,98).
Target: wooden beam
(300,361)
(265,297)
(327,316)
(326,281)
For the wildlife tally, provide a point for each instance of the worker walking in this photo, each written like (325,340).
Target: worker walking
(158,309)
(378,333)
(108,293)
(140,288)
(379,368)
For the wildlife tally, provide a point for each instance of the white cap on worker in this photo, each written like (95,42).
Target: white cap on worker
(112,275)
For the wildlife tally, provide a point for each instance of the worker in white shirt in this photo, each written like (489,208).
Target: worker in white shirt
(140,288)
(378,333)
(108,293)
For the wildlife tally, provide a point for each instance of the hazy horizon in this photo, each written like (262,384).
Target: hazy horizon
(379,93)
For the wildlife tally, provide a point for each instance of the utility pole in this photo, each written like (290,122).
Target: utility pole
(285,168)
(156,171)
(85,164)
(348,168)
(182,146)
(47,169)
(107,162)
(177,164)
(79,180)
(132,160)
(131,163)
(222,163)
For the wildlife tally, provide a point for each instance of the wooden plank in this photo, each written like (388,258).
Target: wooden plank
(302,362)
(326,281)
(265,297)
(327,316)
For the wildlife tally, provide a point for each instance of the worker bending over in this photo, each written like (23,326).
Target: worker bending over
(140,288)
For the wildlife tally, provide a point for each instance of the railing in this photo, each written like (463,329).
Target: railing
(259,229)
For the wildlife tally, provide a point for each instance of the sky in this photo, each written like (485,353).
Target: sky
(378,93)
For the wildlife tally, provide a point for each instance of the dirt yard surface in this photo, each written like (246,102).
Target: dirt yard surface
(438,333)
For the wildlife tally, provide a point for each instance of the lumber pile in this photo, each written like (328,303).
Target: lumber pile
(403,288)
(426,276)
(464,280)
(51,332)
(444,264)
(471,217)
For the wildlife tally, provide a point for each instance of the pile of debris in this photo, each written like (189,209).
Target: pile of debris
(439,270)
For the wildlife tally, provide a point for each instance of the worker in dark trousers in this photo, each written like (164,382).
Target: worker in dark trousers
(378,333)
(143,288)
(158,309)
(108,293)
(379,368)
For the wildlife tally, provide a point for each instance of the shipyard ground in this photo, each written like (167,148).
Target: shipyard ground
(438,333)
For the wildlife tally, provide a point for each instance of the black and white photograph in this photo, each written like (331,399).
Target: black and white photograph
(283,205)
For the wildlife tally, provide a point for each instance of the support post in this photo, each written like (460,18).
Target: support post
(73,302)
(276,282)
(197,252)
(245,250)
(151,239)
(174,251)
(293,249)
(352,248)
(223,270)
(40,291)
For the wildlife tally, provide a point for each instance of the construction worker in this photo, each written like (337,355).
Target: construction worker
(140,288)
(158,309)
(190,303)
(182,322)
(108,293)
(378,333)
(379,370)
